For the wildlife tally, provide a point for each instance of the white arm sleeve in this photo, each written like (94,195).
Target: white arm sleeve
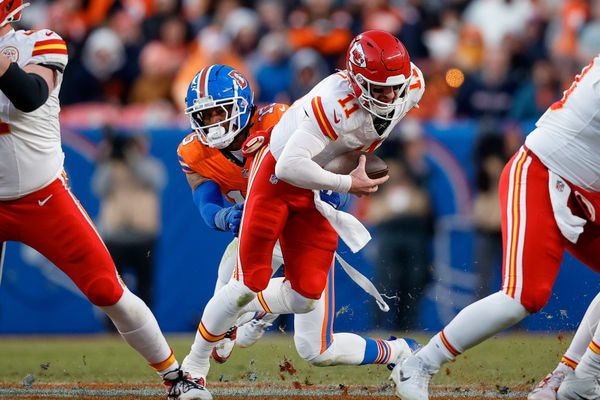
(296,167)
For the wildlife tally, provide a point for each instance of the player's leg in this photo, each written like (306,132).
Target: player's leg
(2,254)
(264,216)
(585,348)
(251,325)
(546,389)
(227,264)
(533,248)
(317,343)
(62,231)
(308,243)
(254,327)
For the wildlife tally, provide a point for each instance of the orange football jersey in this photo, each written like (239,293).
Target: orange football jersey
(212,164)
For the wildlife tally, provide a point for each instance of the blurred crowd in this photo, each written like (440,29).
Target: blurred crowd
(496,58)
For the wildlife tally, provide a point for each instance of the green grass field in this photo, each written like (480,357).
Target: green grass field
(512,359)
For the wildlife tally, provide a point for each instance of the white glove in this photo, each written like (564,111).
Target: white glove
(570,225)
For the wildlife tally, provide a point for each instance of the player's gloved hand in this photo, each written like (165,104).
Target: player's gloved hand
(334,199)
(229,218)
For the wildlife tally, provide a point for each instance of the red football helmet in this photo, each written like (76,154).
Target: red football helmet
(379,58)
(10,11)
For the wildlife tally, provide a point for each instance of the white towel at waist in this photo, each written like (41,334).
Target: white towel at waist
(570,225)
(352,232)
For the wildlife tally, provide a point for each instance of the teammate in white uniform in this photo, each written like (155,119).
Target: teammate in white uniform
(550,194)
(353,109)
(37,207)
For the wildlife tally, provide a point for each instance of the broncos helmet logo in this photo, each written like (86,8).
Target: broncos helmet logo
(239,78)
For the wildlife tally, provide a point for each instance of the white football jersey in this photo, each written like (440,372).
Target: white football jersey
(335,112)
(31,156)
(567,137)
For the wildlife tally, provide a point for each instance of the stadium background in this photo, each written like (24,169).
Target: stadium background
(125,71)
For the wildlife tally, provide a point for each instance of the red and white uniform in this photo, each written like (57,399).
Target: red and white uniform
(36,206)
(30,152)
(566,141)
(324,123)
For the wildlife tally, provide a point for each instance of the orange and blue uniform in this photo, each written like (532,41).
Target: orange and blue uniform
(212,164)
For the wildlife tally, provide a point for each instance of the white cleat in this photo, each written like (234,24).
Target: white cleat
(405,346)
(412,379)
(546,389)
(181,386)
(574,388)
(251,331)
(224,347)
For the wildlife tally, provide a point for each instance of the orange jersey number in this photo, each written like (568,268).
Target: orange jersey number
(559,104)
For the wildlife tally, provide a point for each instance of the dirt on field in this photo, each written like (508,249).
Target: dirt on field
(255,391)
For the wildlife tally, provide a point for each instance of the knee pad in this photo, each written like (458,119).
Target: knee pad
(237,293)
(103,291)
(298,303)
(308,349)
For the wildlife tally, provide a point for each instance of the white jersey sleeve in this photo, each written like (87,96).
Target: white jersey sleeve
(48,49)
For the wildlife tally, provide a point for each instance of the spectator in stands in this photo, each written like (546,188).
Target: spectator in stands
(318,24)
(211,46)
(488,92)
(242,26)
(589,35)
(129,182)
(536,94)
(308,69)
(273,72)
(103,57)
(159,61)
(401,213)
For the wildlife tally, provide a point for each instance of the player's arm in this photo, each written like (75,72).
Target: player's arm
(209,201)
(27,88)
(295,165)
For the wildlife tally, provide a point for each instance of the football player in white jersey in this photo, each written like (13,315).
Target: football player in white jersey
(37,207)
(352,109)
(549,192)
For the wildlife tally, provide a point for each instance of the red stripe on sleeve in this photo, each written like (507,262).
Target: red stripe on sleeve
(49,51)
(49,41)
(321,118)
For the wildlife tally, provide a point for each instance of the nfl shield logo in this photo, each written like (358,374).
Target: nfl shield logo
(560,186)
(273,179)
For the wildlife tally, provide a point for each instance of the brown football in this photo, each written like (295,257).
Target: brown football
(347,162)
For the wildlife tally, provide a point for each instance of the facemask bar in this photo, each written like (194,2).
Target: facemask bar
(10,16)
(380,109)
(218,135)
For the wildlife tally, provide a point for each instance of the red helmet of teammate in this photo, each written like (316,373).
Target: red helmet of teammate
(10,11)
(379,58)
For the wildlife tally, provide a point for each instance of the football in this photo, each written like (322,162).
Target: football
(375,167)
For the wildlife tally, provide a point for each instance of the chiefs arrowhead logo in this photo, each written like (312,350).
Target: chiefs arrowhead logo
(357,55)
(11,52)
